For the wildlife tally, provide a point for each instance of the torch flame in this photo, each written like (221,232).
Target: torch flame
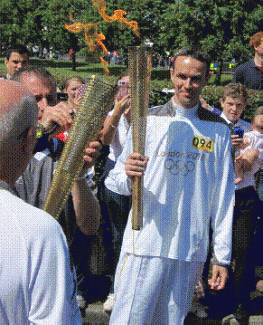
(92,37)
(100,5)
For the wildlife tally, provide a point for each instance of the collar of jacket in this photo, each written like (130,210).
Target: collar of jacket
(202,113)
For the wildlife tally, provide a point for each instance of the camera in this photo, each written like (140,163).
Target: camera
(239,132)
(62,97)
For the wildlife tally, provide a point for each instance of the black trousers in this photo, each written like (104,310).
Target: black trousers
(243,251)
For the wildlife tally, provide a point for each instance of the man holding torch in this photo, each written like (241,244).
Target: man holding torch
(188,184)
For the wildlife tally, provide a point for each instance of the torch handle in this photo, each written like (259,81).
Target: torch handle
(140,75)
(137,206)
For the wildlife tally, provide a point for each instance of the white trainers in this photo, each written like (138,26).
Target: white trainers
(81,302)
(109,303)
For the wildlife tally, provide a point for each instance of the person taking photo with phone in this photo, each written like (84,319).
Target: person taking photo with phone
(233,102)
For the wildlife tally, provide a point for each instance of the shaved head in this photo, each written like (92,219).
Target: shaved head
(18,119)
(18,110)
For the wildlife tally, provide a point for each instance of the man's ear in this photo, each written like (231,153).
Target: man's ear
(172,74)
(6,62)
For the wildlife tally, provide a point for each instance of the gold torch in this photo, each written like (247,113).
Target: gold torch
(140,75)
(88,121)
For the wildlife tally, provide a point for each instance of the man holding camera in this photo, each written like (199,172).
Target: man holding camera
(81,215)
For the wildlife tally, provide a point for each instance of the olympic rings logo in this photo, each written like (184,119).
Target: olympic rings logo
(179,166)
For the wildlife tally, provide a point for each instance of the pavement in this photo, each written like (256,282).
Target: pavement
(94,314)
(214,306)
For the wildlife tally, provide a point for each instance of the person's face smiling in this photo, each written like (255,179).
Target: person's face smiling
(189,77)
(72,89)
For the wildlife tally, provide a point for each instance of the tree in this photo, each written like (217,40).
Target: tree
(54,15)
(18,22)
(221,27)
(147,13)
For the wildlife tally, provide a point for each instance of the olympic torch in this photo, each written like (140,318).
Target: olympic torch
(88,121)
(140,75)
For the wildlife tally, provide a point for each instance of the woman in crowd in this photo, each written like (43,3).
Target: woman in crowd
(115,207)
(70,88)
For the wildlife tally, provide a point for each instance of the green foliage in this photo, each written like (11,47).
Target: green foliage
(212,95)
(222,27)
(158,98)
(160,74)
(19,22)
(224,79)
(148,14)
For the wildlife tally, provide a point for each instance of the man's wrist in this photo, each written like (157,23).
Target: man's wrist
(40,131)
(43,130)
(214,261)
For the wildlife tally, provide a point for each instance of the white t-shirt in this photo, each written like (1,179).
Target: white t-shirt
(119,137)
(256,142)
(189,180)
(255,139)
(37,285)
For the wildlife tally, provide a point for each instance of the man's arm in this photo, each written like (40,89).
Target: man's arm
(117,180)
(222,212)
(86,206)
(112,121)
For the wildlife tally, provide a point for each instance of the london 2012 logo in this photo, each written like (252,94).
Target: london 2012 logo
(179,166)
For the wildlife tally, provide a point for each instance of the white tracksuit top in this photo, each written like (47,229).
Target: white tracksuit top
(189,180)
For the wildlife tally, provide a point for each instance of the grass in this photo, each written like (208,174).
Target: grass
(61,70)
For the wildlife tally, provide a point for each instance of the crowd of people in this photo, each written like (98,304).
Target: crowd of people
(202,198)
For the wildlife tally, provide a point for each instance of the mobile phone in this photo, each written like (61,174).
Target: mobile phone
(239,132)
(123,89)
(62,97)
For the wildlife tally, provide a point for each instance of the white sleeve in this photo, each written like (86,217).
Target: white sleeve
(223,204)
(117,180)
(52,284)
(255,144)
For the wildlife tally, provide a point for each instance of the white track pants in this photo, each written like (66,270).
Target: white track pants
(153,290)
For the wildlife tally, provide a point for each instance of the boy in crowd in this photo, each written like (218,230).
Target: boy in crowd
(233,102)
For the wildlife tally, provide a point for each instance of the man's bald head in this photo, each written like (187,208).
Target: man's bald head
(18,110)
(18,119)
